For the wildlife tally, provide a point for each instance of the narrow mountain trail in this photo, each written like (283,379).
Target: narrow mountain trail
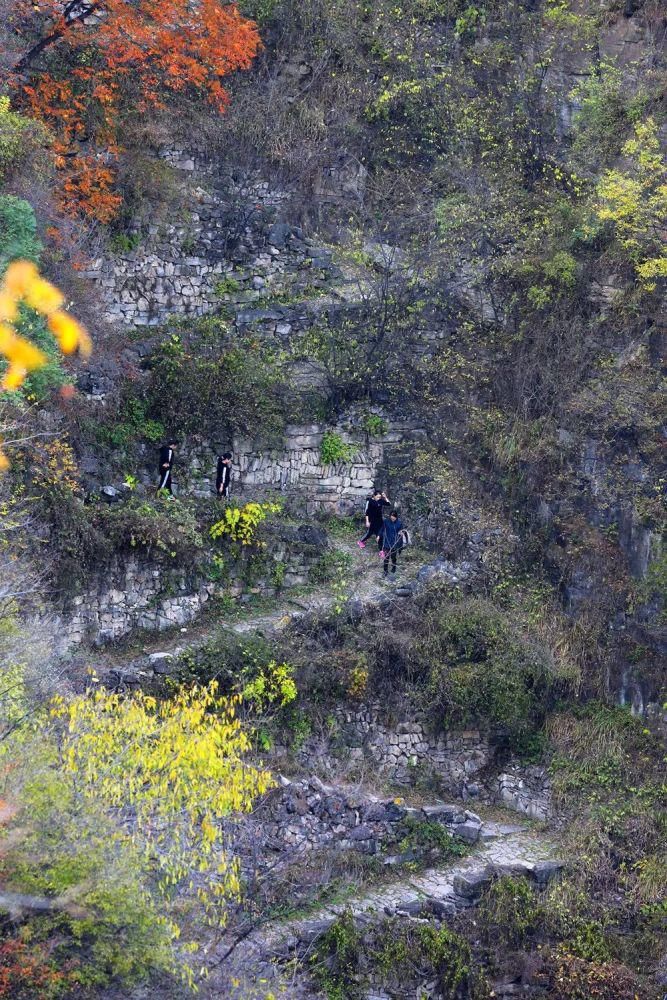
(361,581)
(440,892)
(262,962)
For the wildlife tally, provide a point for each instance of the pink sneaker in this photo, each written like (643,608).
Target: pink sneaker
(362,545)
(381,553)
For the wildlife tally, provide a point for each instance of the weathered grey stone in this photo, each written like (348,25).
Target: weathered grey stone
(441,908)
(442,813)
(314,929)
(545,871)
(468,831)
(471,884)
(412,907)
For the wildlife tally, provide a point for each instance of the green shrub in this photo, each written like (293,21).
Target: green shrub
(510,911)
(18,231)
(334,450)
(19,138)
(404,955)
(331,566)
(124,242)
(128,424)
(607,109)
(374,425)
(76,542)
(227,286)
(424,835)
(82,538)
(451,958)
(597,745)
(482,670)
(156,526)
(206,388)
(261,11)
(336,957)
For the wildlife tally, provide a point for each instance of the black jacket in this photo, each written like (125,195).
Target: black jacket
(166,458)
(223,477)
(373,510)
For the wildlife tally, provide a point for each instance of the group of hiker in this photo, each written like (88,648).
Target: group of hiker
(391,536)
(223,475)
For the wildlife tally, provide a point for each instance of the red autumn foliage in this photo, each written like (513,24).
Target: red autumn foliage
(25,973)
(90,66)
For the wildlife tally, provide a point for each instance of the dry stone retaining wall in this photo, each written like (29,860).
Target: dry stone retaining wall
(406,752)
(135,593)
(227,244)
(295,465)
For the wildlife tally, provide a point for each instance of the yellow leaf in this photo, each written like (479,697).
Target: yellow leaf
(20,274)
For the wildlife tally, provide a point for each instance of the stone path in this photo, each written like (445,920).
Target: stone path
(441,891)
(365,586)
(437,893)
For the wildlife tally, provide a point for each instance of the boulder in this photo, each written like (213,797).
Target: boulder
(544,871)
(279,234)
(411,907)
(109,494)
(311,534)
(441,909)
(468,831)
(472,884)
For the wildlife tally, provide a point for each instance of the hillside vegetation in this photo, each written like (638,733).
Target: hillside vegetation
(419,244)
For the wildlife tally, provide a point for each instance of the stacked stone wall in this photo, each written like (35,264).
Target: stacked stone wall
(405,751)
(226,243)
(138,593)
(295,465)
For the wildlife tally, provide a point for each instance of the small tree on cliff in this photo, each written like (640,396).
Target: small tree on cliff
(88,66)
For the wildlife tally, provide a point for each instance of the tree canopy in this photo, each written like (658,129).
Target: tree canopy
(87,66)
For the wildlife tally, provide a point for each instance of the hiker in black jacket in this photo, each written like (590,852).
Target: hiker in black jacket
(167,452)
(223,477)
(391,540)
(373,515)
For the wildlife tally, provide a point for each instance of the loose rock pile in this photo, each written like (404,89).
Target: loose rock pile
(305,815)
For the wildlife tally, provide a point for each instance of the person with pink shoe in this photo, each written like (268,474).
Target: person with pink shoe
(374,518)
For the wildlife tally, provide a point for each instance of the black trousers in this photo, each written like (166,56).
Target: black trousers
(392,554)
(165,480)
(374,529)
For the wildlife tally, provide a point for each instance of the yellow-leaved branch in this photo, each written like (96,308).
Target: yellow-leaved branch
(22,283)
(175,767)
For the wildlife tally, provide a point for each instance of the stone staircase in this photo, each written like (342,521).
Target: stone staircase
(365,588)
(437,894)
